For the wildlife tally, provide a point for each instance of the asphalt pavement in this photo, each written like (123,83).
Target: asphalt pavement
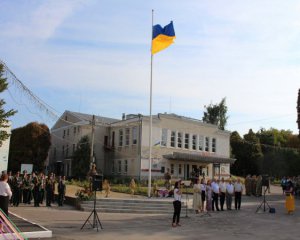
(251,222)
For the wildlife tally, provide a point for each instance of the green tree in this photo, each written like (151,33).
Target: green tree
(247,152)
(30,145)
(4,115)
(280,150)
(216,114)
(81,158)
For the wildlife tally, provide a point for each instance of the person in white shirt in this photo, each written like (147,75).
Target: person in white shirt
(222,186)
(5,195)
(238,189)
(197,201)
(215,199)
(229,194)
(177,204)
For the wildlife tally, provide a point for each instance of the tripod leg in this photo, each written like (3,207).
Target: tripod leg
(87,220)
(259,206)
(99,221)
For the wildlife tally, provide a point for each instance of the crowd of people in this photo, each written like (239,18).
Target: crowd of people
(216,194)
(36,187)
(209,195)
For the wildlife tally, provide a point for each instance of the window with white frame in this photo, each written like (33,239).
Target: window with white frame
(120,137)
(207,144)
(179,169)
(194,142)
(172,168)
(164,137)
(179,140)
(125,166)
(173,138)
(74,130)
(213,145)
(127,136)
(54,153)
(187,140)
(119,166)
(200,143)
(113,166)
(67,150)
(134,135)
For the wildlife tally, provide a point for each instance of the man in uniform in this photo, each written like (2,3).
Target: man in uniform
(248,185)
(167,177)
(61,189)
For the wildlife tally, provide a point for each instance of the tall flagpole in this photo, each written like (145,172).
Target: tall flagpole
(150,124)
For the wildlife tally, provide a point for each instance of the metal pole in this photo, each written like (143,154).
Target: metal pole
(150,124)
(92,142)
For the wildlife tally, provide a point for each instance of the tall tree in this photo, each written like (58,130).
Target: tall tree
(216,114)
(248,153)
(4,115)
(30,145)
(81,158)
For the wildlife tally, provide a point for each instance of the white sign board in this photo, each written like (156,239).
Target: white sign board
(27,167)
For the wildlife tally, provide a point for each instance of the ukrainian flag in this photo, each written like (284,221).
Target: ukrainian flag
(162,37)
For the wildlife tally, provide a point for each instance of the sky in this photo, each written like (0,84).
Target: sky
(93,56)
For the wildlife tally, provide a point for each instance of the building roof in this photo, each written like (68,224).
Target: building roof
(198,157)
(98,119)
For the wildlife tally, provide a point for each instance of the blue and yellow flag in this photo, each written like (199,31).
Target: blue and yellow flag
(162,37)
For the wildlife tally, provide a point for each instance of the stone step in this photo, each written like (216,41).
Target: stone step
(131,206)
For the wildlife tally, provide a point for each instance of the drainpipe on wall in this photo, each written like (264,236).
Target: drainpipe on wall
(140,145)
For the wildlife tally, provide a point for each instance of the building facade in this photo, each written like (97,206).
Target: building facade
(4,151)
(183,145)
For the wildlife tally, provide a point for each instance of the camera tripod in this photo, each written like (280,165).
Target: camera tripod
(96,220)
(264,202)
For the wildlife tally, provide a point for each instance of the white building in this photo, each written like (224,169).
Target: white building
(180,144)
(4,151)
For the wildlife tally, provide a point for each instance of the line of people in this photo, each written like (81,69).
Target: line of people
(37,187)
(214,191)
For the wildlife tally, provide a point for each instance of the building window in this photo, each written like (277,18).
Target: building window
(73,150)
(194,141)
(134,135)
(172,168)
(173,137)
(207,144)
(164,137)
(179,140)
(63,151)
(78,129)
(113,140)
(179,169)
(127,136)
(186,140)
(213,145)
(113,167)
(120,137)
(64,133)
(67,150)
(68,131)
(74,130)
(200,145)
(125,166)
(66,117)
(119,166)
(54,153)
